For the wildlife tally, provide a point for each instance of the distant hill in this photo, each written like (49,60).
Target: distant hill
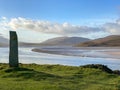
(3,41)
(64,41)
(109,41)
(50,42)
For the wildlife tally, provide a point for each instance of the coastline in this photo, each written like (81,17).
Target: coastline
(83,52)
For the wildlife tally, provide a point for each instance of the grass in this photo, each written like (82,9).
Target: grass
(57,77)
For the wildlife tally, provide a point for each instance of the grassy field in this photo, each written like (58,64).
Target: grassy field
(56,77)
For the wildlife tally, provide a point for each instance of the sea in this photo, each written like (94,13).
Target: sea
(65,56)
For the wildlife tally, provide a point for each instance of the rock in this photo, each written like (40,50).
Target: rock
(13,53)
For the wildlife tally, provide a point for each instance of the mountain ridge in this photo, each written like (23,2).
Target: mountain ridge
(64,41)
(110,41)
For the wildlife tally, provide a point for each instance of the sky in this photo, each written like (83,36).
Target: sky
(39,20)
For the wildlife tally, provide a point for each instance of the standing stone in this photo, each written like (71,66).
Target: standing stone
(13,53)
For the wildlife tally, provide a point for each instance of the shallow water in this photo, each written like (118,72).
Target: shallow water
(27,56)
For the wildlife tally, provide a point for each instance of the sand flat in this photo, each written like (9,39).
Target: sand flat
(97,52)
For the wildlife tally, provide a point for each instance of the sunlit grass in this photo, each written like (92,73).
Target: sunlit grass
(56,77)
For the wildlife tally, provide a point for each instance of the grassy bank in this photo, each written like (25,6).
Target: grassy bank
(57,77)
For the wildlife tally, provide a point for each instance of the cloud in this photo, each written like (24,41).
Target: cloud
(65,29)
(49,27)
(3,18)
(113,28)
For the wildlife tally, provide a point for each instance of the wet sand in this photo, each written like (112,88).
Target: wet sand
(96,52)
(113,53)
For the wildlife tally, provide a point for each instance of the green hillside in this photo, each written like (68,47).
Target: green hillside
(57,77)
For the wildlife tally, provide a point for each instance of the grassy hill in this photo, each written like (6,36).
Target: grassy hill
(58,41)
(109,41)
(61,41)
(57,77)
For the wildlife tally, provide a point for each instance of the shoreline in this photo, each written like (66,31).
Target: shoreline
(98,54)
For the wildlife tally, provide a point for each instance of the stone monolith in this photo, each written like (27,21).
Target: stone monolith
(13,50)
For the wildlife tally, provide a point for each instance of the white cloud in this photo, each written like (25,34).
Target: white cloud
(49,27)
(3,18)
(113,28)
(65,29)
